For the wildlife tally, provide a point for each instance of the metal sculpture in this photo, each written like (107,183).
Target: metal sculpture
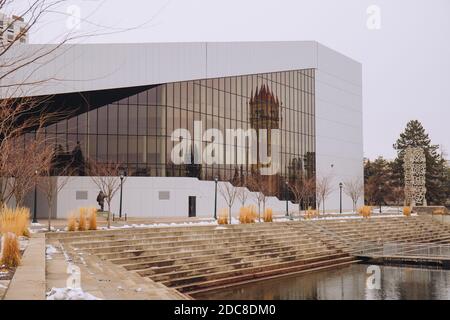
(415,169)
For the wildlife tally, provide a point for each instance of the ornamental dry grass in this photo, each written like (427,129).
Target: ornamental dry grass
(407,211)
(311,213)
(365,211)
(247,214)
(92,218)
(11,250)
(15,220)
(223,216)
(268,215)
(82,219)
(72,222)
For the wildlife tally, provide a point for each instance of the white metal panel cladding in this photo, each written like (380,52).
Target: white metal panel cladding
(87,67)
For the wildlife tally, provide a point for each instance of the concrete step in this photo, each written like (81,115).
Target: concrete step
(179,266)
(231,253)
(255,262)
(219,279)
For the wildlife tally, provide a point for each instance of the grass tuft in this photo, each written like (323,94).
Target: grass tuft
(311,213)
(92,218)
(407,211)
(268,215)
(82,219)
(71,222)
(11,250)
(223,216)
(247,214)
(15,220)
(365,211)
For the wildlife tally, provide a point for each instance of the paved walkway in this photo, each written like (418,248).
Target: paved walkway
(102,279)
(28,282)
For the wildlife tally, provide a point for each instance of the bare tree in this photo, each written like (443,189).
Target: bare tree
(259,188)
(242,195)
(228,193)
(106,176)
(51,185)
(323,191)
(354,188)
(24,164)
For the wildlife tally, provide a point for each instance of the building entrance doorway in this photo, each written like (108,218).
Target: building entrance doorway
(192,206)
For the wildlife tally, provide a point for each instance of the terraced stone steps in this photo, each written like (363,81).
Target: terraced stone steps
(219,279)
(219,243)
(196,258)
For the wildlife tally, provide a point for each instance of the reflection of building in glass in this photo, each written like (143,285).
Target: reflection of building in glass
(122,102)
(134,126)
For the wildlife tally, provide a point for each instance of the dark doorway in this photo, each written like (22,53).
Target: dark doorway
(192,206)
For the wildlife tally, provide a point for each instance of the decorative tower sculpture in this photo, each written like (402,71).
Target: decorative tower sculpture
(415,168)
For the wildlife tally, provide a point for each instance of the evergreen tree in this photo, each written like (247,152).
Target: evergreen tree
(377,181)
(415,136)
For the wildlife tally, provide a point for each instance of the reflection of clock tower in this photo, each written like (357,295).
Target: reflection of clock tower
(265,114)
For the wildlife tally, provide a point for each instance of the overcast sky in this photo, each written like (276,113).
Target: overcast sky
(406,63)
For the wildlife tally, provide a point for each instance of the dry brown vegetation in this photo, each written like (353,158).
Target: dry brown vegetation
(71,222)
(311,213)
(365,211)
(15,221)
(268,215)
(407,211)
(92,218)
(13,224)
(82,219)
(247,214)
(223,216)
(11,250)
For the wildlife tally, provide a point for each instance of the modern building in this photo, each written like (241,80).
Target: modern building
(11,28)
(123,102)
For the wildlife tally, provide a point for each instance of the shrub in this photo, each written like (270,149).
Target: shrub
(439,211)
(15,221)
(71,222)
(92,218)
(268,215)
(247,214)
(407,211)
(311,213)
(365,211)
(11,250)
(223,216)
(82,219)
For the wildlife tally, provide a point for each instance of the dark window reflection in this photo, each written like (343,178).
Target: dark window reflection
(135,130)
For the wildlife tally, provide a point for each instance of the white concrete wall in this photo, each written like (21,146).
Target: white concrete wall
(140,197)
(339,131)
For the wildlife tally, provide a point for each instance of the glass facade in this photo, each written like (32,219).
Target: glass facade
(135,131)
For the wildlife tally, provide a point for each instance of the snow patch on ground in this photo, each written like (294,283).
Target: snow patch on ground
(49,250)
(69,294)
(158,225)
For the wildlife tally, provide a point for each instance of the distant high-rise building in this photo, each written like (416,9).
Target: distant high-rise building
(12,28)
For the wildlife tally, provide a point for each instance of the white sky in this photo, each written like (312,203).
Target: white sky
(406,63)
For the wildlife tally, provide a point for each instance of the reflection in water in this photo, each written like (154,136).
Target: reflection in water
(404,283)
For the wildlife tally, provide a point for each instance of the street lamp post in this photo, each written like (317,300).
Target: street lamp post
(286,197)
(35,198)
(340,197)
(379,195)
(121,189)
(215,197)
